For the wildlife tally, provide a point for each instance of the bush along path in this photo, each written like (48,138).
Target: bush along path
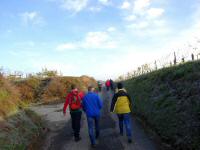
(60,137)
(168,100)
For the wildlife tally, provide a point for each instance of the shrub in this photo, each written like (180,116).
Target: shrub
(54,91)
(28,88)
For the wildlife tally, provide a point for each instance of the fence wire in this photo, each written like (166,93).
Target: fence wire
(178,57)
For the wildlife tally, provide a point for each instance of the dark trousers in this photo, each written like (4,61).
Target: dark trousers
(76,122)
(107,88)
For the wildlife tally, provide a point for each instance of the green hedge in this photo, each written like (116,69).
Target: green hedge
(169,100)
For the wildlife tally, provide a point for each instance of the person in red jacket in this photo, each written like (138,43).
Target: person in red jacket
(107,85)
(74,100)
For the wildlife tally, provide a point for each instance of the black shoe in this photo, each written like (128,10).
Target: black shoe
(97,136)
(93,145)
(77,139)
(129,141)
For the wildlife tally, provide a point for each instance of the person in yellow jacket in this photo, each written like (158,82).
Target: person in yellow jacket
(121,105)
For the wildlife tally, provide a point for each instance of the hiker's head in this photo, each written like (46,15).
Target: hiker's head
(90,89)
(119,85)
(73,86)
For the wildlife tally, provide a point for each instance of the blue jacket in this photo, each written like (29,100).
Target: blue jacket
(92,104)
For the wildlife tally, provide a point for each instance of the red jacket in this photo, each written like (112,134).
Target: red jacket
(70,97)
(81,94)
(108,83)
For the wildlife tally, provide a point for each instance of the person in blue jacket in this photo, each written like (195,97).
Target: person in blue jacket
(92,105)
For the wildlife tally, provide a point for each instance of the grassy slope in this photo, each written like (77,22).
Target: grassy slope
(169,100)
(20,130)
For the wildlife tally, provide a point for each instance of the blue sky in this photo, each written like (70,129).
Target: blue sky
(100,38)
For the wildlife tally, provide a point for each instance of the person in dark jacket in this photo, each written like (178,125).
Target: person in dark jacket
(92,105)
(99,86)
(112,84)
(121,105)
(74,100)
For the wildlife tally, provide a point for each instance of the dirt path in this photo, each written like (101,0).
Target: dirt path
(60,135)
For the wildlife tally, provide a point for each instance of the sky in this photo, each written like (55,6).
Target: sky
(99,38)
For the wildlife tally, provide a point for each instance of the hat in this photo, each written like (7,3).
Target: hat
(119,85)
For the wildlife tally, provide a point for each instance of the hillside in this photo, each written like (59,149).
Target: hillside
(50,89)
(169,101)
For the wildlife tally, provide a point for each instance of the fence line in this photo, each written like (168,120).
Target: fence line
(172,59)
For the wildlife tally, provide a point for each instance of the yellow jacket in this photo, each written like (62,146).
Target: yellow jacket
(121,102)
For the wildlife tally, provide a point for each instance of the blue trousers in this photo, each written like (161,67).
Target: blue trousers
(125,119)
(93,122)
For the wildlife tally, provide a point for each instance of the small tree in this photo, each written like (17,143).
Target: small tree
(47,73)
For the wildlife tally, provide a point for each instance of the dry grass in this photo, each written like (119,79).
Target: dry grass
(58,87)
(9,97)
(31,90)
(28,89)
(54,91)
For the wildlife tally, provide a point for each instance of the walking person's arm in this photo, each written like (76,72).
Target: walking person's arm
(114,99)
(100,103)
(83,103)
(66,104)
(130,101)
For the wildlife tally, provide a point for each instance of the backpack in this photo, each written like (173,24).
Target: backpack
(75,102)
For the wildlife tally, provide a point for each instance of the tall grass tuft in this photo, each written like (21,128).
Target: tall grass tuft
(9,97)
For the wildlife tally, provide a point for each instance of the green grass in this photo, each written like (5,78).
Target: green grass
(4,94)
(169,100)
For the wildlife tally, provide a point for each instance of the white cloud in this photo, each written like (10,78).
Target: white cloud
(191,36)
(131,17)
(140,5)
(74,5)
(139,25)
(32,18)
(66,46)
(125,5)
(92,40)
(104,2)
(140,15)
(130,60)
(111,29)
(98,40)
(95,9)
(159,23)
(155,12)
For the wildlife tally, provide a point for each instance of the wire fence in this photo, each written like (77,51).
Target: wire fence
(190,53)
